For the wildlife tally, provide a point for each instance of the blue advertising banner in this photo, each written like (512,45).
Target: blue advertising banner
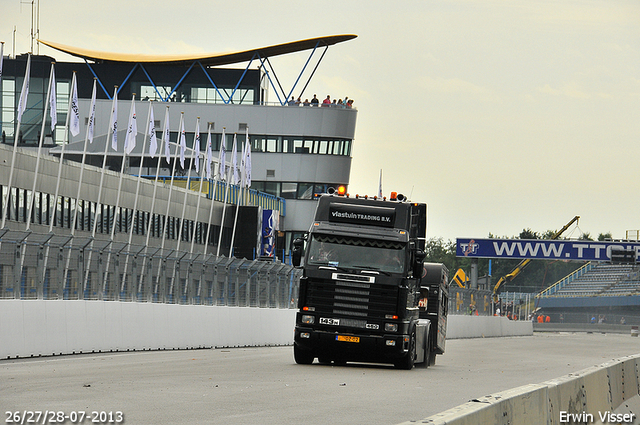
(542,249)
(270,224)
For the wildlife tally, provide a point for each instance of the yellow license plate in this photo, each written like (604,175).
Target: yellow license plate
(346,338)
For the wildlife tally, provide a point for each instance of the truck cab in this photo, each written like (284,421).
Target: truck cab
(366,294)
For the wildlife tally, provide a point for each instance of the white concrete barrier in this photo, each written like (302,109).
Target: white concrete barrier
(605,394)
(43,328)
(459,326)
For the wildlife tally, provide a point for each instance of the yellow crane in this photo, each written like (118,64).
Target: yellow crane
(524,263)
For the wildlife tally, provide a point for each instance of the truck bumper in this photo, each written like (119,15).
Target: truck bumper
(386,348)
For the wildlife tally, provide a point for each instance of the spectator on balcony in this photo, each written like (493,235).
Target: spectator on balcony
(315,101)
(327,102)
(306,103)
(292,102)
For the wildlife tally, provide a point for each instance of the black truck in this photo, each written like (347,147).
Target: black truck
(366,294)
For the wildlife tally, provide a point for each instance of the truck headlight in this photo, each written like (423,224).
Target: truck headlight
(308,319)
(391,327)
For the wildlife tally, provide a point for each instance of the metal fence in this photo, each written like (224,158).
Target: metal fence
(468,301)
(48,266)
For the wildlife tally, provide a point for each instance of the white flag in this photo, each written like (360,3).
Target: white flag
(183,141)
(22,104)
(132,129)
(222,158)
(209,159)
(92,116)
(74,119)
(247,163)
(196,145)
(165,136)
(235,179)
(153,141)
(53,105)
(113,122)
(1,58)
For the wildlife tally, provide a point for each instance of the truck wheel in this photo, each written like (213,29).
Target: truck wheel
(302,356)
(409,359)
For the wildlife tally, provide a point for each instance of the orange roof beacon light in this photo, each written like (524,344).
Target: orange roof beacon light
(342,190)
(394,196)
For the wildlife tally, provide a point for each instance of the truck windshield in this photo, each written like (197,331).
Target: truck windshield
(359,253)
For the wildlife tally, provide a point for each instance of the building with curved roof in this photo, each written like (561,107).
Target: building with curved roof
(298,151)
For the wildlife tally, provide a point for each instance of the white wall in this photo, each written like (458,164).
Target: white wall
(34,328)
(459,326)
(42,328)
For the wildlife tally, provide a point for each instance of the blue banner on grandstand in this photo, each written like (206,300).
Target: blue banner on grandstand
(542,249)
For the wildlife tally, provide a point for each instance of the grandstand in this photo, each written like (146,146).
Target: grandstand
(595,288)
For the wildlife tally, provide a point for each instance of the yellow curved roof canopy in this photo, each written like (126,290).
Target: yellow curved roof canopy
(205,59)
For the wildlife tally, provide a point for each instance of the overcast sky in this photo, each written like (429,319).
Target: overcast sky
(500,115)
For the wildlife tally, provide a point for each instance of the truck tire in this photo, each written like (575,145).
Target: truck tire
(409,359)
(302,356)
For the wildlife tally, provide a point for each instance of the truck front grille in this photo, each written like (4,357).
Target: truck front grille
(365,300)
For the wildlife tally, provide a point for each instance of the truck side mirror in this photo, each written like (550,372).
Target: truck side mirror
(418,264)
(297,252)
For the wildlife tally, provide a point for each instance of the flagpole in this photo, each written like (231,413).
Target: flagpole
(35,172)
(209,161)
(84,152)
(153,198)
(112,131)
(195,222)
(135,203)
(24,94)
(65,140)
(166,217)
(238,200)
(35,176)
(74,222)
(184,208)
(213,198)
(186,194)
(127,147)
(224,204)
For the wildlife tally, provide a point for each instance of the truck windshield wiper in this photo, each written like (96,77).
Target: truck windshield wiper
(372,268)
(329,264)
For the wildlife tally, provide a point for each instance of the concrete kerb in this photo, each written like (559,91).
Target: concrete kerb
(610,387)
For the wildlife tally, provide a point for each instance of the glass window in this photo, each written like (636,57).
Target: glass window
(289,190)
(272,188)
(8,108)
(150,93)
(360,253)
(305,190)
(272,145)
